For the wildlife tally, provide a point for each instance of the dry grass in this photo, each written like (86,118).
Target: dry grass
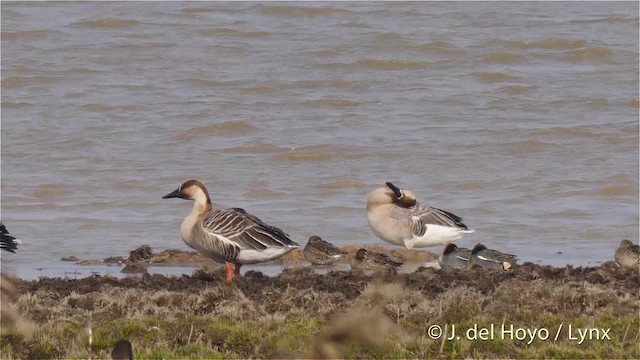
(11,322)
(301,314)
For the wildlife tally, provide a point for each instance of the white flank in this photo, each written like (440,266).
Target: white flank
(256,256)
(437,235)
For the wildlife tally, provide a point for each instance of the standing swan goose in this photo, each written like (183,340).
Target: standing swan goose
(397,218)
(231,236)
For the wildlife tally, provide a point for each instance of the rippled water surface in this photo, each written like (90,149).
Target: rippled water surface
(520,117)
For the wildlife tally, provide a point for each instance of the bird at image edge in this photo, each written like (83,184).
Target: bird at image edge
(628,255)
(7,241)
(230,236)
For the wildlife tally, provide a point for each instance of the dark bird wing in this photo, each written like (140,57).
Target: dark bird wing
(462,254)
(7,242)
(498,255)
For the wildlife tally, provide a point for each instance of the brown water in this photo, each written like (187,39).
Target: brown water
(520,117)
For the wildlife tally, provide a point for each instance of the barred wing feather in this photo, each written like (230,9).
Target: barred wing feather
(245,230)
(428,215)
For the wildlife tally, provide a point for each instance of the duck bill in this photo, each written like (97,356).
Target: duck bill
(395,189)
(174,194)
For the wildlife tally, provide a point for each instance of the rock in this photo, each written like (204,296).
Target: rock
(70,258)
(174,257)
(141,253)
(89,262)
(114,260)
(134,268)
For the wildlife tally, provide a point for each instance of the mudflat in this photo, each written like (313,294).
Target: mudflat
(531,311)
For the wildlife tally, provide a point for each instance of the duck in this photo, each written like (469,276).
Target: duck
(627,255)
(491,259)
(321,252)
(7,241)
(122,350)
(453,257)
(372,261)
(231,236)
(396,217)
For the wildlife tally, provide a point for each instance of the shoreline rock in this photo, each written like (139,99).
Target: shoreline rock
(176,257)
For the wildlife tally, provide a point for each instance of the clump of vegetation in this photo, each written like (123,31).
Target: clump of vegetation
(338,314)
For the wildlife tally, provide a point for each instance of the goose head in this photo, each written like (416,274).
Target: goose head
(191,190)
(390,194)
(402,197)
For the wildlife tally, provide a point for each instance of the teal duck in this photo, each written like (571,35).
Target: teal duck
(491,259)
(321,252)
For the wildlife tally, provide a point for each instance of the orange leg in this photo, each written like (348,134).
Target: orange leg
(230,271)
(236,271)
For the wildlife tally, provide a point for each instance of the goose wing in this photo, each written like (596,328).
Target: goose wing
(7,244)
(428,215)
(245,230)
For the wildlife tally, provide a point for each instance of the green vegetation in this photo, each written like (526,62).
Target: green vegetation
(299,313)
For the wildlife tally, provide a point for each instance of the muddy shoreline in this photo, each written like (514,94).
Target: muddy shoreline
(430,281)
(302,313)
(174,257)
